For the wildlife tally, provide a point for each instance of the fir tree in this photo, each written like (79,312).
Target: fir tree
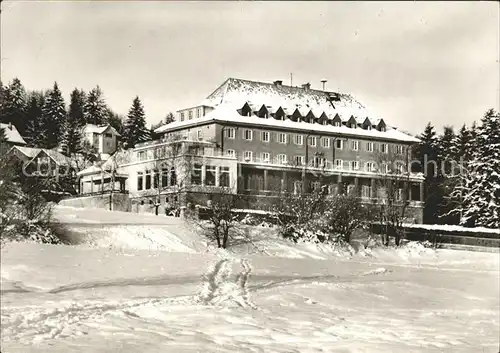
(14,105)
(95,110)
(427,153)
(54,116)
(169,118)
(2,100)
(460,148)
(481,184)
(71,143)
(135,130)
(115,120)
(35,132)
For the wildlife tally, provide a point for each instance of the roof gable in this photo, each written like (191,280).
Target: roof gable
(12,135)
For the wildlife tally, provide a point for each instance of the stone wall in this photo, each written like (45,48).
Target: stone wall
(121,202)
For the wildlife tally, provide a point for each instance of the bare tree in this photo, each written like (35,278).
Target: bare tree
(344,214)
(393,186)
(218,219)
(173,170)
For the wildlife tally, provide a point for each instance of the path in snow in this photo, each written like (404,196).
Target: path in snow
(167,302)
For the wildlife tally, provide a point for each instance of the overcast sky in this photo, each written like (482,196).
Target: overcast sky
(411,62)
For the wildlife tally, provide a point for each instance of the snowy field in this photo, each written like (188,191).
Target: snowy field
(148,284)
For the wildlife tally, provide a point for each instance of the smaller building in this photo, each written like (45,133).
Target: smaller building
(12,137)
(103,138)
(198,111)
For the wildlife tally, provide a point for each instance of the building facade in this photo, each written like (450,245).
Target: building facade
(271,138)
(104,139)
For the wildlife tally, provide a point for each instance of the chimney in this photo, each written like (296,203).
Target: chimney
(306,86)
(10,126)
(278,83)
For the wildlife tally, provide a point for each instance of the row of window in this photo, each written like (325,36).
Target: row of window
(191,112)
(210,176)
(325,142)
(366,190)
(152,179)
(318,162)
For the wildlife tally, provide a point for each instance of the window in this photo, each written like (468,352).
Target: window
(140,179)
(399,195)
(339,163)
(354,165)
(281,137)
(210,175)
(366,191)
(281,158)
(384,148)
(299,139)
(141,155)
(399,149)
(190,114)
(325,142)
(297,187)
(339,144)
(332,189)
(370,166)
(400,167)
(384,168)
(247,134)
(248,156)
(265,156)
(319,162)
(350,188)
(148,180)
(368,127)
(230,133)
(299,160)
(199,134)
(352,125)
(230,153)
(355,145)
(173,177)
(224,177)
(198,112)
(316,185)
(337,124)
(108,135)
(196,174)
(156,178)
(369,146)
(382,129)
(182,116)
(164,177)
(264,136)
(312,141)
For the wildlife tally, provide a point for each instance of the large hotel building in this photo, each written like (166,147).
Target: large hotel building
(259,139)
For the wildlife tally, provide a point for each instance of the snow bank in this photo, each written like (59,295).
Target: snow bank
(453,228)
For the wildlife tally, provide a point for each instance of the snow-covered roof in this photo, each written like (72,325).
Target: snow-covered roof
(12,135)
(57,157)
(99,129)
(226,113)
(234,93)
(238,91)
(28,151)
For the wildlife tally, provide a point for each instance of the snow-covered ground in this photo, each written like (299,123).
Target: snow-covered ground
(147,284)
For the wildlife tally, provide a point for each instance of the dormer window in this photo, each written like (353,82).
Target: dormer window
(352,125)
(337,124)
(382,129)
(369,127)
